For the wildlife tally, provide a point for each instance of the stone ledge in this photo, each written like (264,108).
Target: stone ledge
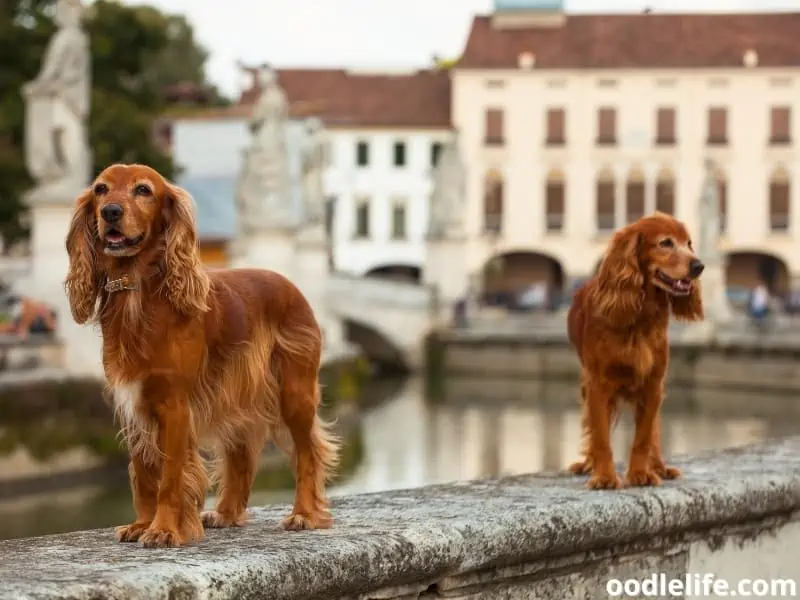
(440,538)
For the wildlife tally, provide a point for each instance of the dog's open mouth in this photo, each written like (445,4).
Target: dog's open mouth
(116,240)
(678,287)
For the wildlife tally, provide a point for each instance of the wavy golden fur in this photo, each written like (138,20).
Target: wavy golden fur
(219,360)
(618,326)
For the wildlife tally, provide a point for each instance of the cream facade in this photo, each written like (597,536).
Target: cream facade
(575,238)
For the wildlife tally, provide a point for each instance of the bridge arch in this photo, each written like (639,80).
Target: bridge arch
(396,272)
(377,346)
(508,274)
(747,268)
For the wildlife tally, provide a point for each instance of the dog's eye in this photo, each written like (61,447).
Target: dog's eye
(666,243)
(142,190)
(100,189)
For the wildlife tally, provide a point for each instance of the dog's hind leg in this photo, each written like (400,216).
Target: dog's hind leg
(238,467)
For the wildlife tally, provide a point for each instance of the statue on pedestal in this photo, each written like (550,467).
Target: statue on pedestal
(262,195)
(313,166)
(57,150)
(447,205)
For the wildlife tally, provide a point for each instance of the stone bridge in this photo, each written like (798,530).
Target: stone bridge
(732,520)
(390,319)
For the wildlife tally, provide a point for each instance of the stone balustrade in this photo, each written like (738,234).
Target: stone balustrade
(733,515)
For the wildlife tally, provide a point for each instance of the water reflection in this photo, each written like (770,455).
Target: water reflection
(483,428)
(409,442)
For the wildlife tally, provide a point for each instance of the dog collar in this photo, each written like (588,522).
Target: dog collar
(120,285)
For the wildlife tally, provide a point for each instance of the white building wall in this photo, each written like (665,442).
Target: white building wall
(382,184)
(748,95)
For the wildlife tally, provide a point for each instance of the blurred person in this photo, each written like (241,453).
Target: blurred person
(759,305)
(24,315)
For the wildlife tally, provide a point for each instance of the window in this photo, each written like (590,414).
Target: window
(554,201)
(362,154)
(436,152)
(779,200)
(399,154)
(399,220)
(634,196)
(606,126)
(780,125)
(606,201)
(362,218)
(717,126)
(493,202)
(494,127)
(665,192)
(555,127)
(665,126)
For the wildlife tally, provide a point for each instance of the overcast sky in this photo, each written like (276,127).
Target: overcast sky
(366,33)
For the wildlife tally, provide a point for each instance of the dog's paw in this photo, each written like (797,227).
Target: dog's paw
(642,478)
(160,538)
(130,533)
(582,467)
(666,472)
(604,481)
(299,522)
(215,520)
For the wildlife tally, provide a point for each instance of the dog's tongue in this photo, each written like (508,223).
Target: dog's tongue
(115,237)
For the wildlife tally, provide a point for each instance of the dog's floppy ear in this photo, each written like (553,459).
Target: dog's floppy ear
(186,284)
(620,291)
(83,281)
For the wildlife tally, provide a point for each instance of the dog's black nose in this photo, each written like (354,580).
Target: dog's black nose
(111,213)
(696,268)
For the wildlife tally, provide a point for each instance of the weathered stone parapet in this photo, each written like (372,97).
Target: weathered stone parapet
(733,514)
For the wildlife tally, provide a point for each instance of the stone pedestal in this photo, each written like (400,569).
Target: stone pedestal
(311,276)
(49,266)
(446,268)
(271,249)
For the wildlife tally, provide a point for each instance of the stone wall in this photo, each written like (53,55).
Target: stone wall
(734,515)
(735,365)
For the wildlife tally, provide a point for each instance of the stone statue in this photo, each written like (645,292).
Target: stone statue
(313,166)
(57,150)
(262,195)
(446,216)
(709,218)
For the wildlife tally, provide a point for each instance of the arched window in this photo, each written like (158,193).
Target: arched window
(493,202)
(605,200)
(555,198)
(665,192)
(779,200)
(634,195)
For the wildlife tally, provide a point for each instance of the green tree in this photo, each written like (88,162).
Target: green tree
(136,52)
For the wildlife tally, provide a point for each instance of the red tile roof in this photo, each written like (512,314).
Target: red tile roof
(351,99)
(608,41)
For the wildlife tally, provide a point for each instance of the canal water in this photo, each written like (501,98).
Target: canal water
(479,429)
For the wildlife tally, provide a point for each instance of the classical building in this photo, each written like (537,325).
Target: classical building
(384,133)
(573,125)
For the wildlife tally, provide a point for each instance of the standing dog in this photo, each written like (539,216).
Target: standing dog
(195,359)
(618,325)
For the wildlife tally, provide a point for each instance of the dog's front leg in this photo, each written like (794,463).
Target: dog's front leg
(640,471)
(144,486)
(173,417)
(599,400)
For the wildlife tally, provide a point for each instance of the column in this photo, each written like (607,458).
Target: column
(650,179)
(620,202)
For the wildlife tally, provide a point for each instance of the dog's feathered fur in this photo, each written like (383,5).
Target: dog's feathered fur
(195,359)
(618,325)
